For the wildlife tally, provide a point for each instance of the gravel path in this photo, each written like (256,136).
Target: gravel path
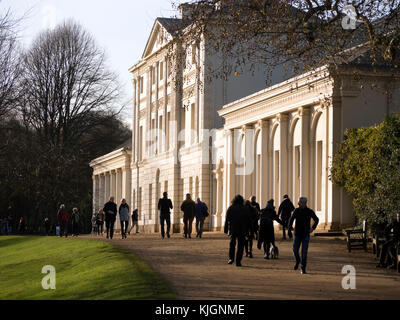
(198,269)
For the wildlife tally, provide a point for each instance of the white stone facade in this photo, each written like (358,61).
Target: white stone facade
(281,139)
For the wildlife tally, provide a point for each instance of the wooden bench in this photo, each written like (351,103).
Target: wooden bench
(357,237)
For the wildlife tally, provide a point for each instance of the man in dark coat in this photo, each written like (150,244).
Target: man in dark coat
(266,236)
(110,209)
(189,210)
(390,245)
(284,213)
(201,215)
(256,206)
(253,227)
(237,225)
(302,215)
(165,205)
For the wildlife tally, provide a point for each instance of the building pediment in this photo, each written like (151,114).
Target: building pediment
(164,29)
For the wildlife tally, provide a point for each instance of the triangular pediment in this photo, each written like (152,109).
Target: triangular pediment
(161,34)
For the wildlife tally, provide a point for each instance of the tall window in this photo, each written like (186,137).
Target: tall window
(161,70)
(167,130)
(193,122)
(140,203)
(153,75)
(141,84)
(141,143)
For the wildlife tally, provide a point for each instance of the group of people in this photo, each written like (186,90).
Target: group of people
(190,209)
(388,256)
(6,225)
(245,222)
(109,215)
(64,220)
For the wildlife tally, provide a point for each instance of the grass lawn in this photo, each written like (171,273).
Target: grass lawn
(85,270)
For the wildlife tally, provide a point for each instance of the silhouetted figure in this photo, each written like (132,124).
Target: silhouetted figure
(46,226)
(100,217)
(165,206)
(284,213)
(253,227)
(124,217)
(389,247)
(110,209)
(201,215)
(237,225)
(256,205)
(302,215)
(266,236)
(75,218)
(63,220)
(135,221)
(189,210)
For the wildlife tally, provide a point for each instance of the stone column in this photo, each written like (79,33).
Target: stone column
(166,124)
(113,186)
(230,167)
(283,155)
(249,164)
(264,185)
(305,153)
(146,149)
(95,193)
(118,185)
(101,191)
(134,120)
(106,186)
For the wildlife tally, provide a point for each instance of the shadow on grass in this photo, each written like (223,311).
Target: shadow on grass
(14,240)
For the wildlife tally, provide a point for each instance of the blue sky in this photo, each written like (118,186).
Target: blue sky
(121,27)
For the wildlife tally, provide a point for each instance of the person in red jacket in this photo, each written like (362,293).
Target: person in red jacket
(63,219)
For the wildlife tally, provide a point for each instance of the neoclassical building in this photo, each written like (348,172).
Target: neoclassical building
(218,138)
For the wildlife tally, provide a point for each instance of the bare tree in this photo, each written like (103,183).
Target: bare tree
(64,80)
(299,34)
(9,66)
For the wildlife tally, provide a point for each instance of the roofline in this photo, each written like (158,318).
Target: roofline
(109,156)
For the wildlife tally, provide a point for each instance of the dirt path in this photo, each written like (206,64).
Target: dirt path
(198,269)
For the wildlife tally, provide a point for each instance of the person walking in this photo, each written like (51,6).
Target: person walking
(135,221)
(266,237)
(302,215)
(253,226)
(284,213)
(188,207)
(165,205)
(110,209)
(256,206)
(124,217)
(201,214)
(100,222)
(46,226)
(236,226)
(75,222)
(21,225)
(390,245)
(4,225)
(63,220)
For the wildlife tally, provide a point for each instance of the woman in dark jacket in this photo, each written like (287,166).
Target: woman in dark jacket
(267,233)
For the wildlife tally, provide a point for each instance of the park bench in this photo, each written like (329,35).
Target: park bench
(357,237)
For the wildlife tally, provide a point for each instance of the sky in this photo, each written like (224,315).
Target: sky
(120,27)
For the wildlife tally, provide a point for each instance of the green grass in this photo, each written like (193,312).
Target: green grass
(85,270)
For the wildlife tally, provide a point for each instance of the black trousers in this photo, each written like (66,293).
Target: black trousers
(100,227)
(124,227)
(75,228)
(240,239)
(388,247)
(284,227)
(110,228)
(63,229)
(199,226)
(187,225)
(165,217)
(248,244)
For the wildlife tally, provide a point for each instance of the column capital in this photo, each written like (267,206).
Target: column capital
(264,123)
(302,111)
(282,117)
